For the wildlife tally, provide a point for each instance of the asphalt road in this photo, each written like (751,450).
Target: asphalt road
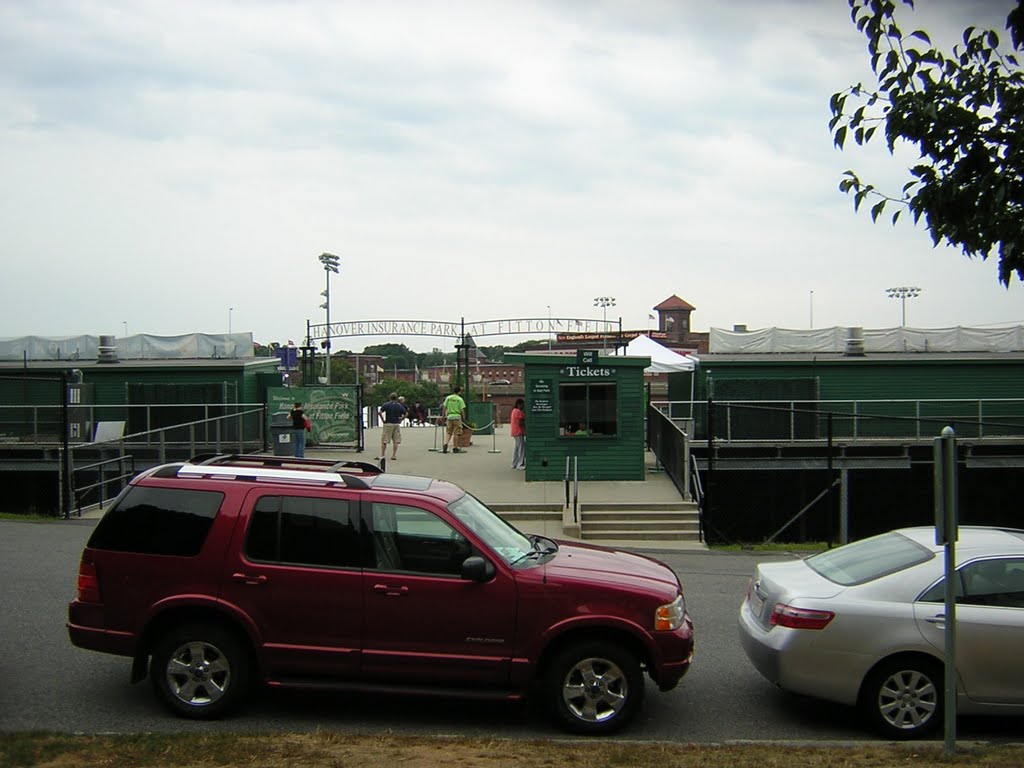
(47,684)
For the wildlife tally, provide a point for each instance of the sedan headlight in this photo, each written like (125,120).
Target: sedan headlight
(670,617)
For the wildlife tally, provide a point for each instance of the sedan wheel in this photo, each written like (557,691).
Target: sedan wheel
(903,699)
(199,671)
(595,688)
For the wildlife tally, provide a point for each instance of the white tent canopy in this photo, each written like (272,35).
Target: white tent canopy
(663,359)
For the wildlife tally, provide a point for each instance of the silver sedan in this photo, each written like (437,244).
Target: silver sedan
(864,624)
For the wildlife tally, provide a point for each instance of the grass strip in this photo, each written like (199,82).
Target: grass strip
(386,750)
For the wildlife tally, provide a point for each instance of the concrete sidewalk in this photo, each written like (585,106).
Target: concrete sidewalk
(485,470)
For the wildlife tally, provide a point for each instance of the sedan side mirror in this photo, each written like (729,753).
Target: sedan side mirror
(476,568)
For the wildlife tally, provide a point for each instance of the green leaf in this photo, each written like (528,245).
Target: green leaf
(840,138)
(920,34)
(877,209)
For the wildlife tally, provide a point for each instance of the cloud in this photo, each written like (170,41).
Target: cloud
(166,161)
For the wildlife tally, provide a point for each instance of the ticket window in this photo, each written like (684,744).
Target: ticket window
(588,409)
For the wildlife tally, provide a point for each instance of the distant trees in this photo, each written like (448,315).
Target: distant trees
(427,392)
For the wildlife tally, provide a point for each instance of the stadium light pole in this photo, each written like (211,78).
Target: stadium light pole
(903,292)
(604,302)
(330,263)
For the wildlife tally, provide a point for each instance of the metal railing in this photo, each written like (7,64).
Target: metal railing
(94,471)
(123,471)
(852,420)
(42,425)
(698,493)
(669,442)
(572,486)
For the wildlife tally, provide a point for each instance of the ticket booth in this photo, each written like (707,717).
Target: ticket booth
(587,410)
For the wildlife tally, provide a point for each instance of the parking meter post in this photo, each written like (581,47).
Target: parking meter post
(946,517)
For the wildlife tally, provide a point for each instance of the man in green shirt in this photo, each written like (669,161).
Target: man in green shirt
(454,408)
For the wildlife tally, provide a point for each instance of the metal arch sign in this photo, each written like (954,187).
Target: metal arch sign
(456,330)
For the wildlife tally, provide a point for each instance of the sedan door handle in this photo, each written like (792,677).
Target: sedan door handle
(940,619)
(243,578)
(385,589)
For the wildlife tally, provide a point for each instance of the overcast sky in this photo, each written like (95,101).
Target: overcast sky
(173,167)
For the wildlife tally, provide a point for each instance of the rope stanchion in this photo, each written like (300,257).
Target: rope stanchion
(494,436)
(437,425)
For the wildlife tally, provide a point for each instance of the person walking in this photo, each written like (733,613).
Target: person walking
(393,411)
(454,409)
(298,417)
(518,430)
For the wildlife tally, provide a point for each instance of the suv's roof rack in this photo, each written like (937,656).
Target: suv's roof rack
(280,468)
(261,460)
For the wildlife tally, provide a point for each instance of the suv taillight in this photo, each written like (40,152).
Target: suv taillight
(800,618)
(88,583)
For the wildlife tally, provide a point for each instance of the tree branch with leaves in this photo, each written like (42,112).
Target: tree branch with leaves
(964,113)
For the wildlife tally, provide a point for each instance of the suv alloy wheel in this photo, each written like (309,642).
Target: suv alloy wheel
(594,688)
(200,671)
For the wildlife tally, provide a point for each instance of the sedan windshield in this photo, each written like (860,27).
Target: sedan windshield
(869,559)
(511,545)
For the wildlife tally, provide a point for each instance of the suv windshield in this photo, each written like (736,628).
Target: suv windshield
(505,540)
(868,559)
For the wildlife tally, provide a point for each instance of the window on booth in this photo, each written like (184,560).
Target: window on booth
(588,409)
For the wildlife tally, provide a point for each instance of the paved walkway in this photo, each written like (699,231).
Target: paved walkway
(485,470)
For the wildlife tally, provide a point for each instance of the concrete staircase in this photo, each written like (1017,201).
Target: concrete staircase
(641,524)
(669,525)
(544,519)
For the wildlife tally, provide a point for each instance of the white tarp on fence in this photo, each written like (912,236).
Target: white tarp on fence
(141,346)
(782,340)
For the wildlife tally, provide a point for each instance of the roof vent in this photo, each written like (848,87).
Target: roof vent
(854,342)
(107,350)
(742,328)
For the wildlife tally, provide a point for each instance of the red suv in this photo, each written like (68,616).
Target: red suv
(222,573)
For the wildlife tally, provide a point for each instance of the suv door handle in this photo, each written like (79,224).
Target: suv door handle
(385,589)
(242,578)
(939,619)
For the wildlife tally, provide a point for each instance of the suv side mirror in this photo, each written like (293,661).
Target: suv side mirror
(476,568)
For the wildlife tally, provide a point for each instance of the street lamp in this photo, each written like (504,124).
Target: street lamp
(903,293)
(230,310)
(604,302)
(330,263)
(549,327)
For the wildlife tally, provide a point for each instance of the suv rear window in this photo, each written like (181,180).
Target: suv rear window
(869,559)
(158,521)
